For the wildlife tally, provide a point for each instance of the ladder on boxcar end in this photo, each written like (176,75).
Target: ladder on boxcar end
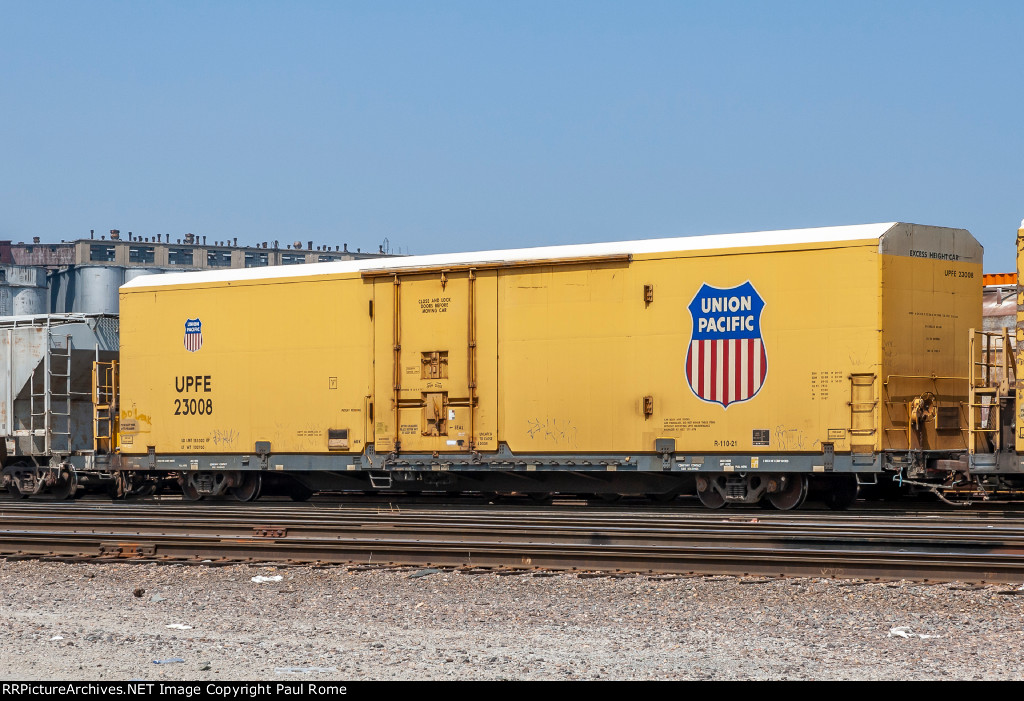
(104,406)
(50,401)
(992,376)
(862,412)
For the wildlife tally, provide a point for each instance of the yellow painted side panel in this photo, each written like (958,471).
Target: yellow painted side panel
(568,357)
(581,349)
(279,361)
(929,308)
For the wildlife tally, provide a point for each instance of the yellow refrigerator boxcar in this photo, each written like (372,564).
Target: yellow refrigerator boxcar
(741,363)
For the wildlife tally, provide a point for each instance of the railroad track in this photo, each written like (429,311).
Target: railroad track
(973,547)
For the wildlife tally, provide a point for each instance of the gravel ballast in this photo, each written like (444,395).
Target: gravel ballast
(111,621)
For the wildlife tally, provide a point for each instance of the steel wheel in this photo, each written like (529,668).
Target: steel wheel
(146,489)
(249,489)
(792,495)
(12,486)
(64,487)
(189,491)
(711,498)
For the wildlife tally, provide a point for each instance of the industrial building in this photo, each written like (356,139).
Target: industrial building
(82,276)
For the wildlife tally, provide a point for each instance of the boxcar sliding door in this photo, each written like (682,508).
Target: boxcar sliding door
(435,360)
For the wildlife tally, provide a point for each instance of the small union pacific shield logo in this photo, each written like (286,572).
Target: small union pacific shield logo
(193,335)
(726,362)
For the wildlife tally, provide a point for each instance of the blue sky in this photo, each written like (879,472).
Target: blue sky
(448,126)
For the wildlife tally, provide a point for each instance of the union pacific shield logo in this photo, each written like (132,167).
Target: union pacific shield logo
(726,361)
(193,335)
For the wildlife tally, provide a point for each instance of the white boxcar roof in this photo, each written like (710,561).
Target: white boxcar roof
(682,243)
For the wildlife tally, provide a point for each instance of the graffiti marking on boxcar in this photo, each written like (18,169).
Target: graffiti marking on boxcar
(130,416)
(555,430)
(224,436)
(789,438)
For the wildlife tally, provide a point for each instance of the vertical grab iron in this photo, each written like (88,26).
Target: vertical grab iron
(1019,353)
(397,339)
(104,407)
(472,359)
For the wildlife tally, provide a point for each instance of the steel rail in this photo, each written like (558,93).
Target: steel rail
(234,520)
(890,548)
(318,511)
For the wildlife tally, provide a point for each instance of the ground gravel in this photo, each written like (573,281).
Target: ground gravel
(110,622)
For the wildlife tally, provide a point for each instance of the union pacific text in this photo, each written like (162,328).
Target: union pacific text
(725,324)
